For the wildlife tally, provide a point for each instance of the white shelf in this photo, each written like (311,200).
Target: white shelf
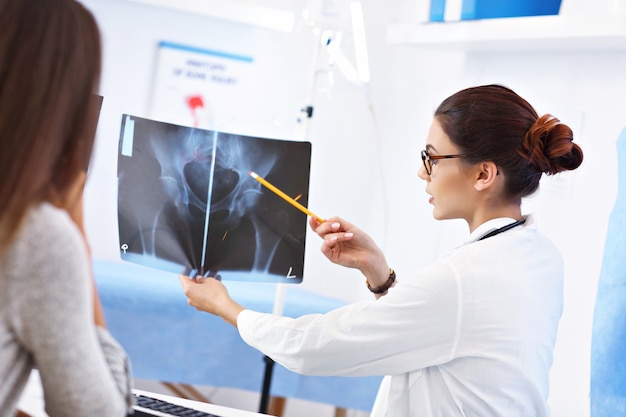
(537,33)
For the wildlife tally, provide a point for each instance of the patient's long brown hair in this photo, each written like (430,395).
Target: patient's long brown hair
(50,59)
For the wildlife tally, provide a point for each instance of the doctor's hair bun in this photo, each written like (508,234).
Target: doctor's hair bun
(549,146)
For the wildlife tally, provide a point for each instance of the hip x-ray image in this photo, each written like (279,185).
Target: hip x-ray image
(186,203)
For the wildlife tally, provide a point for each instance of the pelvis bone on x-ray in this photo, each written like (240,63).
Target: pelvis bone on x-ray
(186,203)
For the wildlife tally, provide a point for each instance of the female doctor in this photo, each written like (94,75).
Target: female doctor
(471,334)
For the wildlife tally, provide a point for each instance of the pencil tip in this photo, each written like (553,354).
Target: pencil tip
(252,174)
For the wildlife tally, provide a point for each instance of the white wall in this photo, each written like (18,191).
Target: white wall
(366,142)
(131,32)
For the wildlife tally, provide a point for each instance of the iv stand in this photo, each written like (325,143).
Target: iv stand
(306,113)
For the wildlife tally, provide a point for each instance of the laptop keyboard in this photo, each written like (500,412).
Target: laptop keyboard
(166,408)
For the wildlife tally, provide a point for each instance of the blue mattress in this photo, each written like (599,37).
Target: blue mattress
(167,340)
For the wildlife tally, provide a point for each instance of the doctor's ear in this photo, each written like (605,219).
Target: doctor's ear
(487,175)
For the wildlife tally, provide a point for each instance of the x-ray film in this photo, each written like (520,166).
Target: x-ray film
(186,203)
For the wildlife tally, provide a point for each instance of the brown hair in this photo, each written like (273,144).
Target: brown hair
(493,123)
(49,68)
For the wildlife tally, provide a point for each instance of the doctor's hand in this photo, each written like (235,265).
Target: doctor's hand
(211,296)
(349,246)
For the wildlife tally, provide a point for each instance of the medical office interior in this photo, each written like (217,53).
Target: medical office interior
(360,80)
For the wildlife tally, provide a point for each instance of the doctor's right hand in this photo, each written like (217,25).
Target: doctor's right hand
(349,246)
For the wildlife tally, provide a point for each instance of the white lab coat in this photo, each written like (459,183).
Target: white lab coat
(470,335)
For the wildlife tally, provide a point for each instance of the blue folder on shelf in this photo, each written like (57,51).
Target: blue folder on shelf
(489,9)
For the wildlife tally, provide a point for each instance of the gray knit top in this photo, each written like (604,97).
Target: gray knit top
(46,322)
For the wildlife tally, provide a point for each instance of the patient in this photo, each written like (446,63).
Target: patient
(50,314)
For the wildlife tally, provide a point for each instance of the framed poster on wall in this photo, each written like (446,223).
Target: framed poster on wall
(201,87)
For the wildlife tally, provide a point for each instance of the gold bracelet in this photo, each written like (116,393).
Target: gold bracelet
(383,288)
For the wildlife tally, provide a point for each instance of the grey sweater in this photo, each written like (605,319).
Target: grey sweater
(46,322)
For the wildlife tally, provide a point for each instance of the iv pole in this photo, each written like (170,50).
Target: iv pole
(306,113)
(326,38)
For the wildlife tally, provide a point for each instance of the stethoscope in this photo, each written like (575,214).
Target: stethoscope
(503,229)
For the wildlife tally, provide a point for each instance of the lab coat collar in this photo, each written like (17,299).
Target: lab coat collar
(494,224)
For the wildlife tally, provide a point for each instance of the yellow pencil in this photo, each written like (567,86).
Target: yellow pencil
(285,196)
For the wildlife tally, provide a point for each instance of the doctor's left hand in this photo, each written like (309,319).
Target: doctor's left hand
(211,296)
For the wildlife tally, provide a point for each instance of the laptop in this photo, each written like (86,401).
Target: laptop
(146,406)
(159,405)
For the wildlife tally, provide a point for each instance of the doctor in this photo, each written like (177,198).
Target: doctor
(473,333)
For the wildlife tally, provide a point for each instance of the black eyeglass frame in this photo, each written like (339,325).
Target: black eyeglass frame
(427,159)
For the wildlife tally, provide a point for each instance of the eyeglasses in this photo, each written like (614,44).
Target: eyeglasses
(428,160)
